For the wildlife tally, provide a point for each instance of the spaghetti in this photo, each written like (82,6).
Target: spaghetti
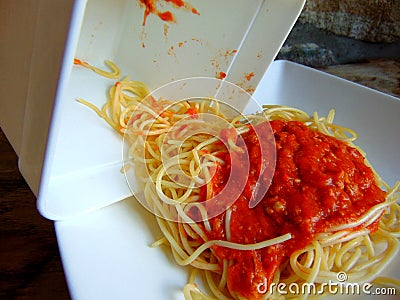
(327,211)
(114,73)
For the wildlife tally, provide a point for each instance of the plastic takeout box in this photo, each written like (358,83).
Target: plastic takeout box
(231,39)
(106,253)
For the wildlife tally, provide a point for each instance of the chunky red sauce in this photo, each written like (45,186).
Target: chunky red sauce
(319,182)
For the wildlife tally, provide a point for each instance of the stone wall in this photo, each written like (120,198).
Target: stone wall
(331,32)
(368,20)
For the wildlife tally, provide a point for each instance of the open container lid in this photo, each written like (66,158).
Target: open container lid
(231,39)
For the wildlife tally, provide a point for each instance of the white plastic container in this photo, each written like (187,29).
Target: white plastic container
(72,159)
(75,157)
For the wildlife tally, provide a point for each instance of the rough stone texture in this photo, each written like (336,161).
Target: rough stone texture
(368,20)
(309,54)
(311,46)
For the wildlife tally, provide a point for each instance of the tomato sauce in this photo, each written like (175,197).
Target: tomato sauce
(319,182)
(249,76)
(166,16)
(221,75)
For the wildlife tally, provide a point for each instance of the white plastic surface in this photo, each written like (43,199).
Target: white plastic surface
(84,156)
(31,61)
(107,254)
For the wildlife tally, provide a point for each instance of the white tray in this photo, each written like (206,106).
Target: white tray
(106,254)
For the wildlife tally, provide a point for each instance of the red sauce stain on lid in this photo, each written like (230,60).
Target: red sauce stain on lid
(221,75)
(151,7)
(249,76)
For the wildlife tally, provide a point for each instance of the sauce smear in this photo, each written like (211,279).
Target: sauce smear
(166,16)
